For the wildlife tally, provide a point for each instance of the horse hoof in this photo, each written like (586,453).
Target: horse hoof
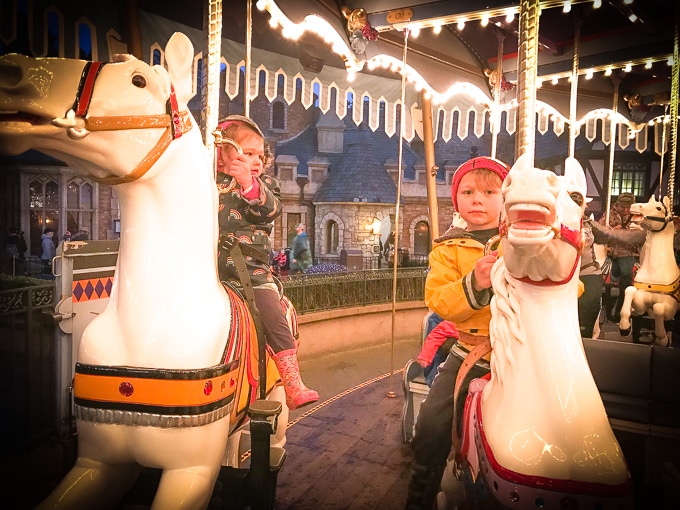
(624,332)
(662,341)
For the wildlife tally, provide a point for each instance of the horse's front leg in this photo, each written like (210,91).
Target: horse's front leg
(186,488)
(659,314)
(626,308)
(92,484)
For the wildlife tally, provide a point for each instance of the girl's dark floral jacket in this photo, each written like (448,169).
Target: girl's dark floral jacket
(250,221)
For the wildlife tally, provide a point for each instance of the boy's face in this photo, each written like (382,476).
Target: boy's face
(480,200)
(253,152)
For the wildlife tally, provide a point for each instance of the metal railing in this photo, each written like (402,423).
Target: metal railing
(29,347)
(28,364)
(377,262)
(319,292)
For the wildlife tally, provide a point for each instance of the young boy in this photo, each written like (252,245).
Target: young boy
(249,202)
(458,289)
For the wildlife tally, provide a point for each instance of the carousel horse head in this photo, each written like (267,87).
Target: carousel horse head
(81,112)
(653,215)
(541,221)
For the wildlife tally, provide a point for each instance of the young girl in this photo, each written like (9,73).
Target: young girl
(249,202)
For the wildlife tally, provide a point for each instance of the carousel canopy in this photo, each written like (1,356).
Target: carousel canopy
(332,53)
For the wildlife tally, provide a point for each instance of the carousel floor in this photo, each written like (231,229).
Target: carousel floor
(345,453)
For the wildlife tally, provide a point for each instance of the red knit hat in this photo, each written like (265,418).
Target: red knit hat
(482,162)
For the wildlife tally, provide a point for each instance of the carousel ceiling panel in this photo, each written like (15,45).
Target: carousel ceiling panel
(617,35)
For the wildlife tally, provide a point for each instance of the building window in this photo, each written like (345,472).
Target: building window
(332,237)
(292,220)
(278,115)
(79,205)
(59,201)
(629,176)
(43,200)
(421,238)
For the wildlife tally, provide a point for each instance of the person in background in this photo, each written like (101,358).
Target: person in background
(301,257)
(622,254)
(458,289)
(281,261)
(590,273)
(249,201)
(10,255)
(48,250)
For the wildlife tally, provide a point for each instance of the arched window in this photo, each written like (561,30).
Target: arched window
(44,200)
(79,205)
(156,57)
(421,238)
(278,115)
(332,237)
(85,49)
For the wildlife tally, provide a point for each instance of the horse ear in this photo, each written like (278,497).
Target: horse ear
(179,56)
(575,176)
(524,162)
(666,202)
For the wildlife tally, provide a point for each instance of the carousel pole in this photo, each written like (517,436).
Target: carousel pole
(402,124)
(574,87)
(431,172)
(249,45)
(211,95)
(529,13)
(612,146)
(675,91)
(131,13)
(496,113)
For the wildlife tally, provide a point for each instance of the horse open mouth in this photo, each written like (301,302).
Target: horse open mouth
(637,218)
(16,117)
(533,221)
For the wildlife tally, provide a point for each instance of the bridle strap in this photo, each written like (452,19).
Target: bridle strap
(174,122)
(85,87)
(153,155)
(122,122)
(665,220)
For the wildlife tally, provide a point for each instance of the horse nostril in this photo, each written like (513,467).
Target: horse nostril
(10,75)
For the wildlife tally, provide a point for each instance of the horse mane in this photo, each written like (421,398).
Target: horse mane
(504,328)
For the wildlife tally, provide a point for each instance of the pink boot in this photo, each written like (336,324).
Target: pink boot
(297,394)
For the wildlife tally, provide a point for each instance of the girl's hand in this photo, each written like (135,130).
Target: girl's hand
(240,170)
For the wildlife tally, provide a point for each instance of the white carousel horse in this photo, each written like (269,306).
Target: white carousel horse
(536,435)
(656,286)
(164,373)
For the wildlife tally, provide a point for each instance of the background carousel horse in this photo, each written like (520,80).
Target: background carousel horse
(536,434)
(165,372)
(656,286)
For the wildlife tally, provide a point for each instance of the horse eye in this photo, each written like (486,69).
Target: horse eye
(139,81)
(576,197)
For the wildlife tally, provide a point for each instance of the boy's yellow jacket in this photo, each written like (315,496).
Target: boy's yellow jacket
(448,287)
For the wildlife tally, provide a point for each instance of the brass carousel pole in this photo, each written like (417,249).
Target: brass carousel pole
(496,113)
(402,123)
(675,91)
(529,13)
(431,169)
(249,44)
(211,110)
